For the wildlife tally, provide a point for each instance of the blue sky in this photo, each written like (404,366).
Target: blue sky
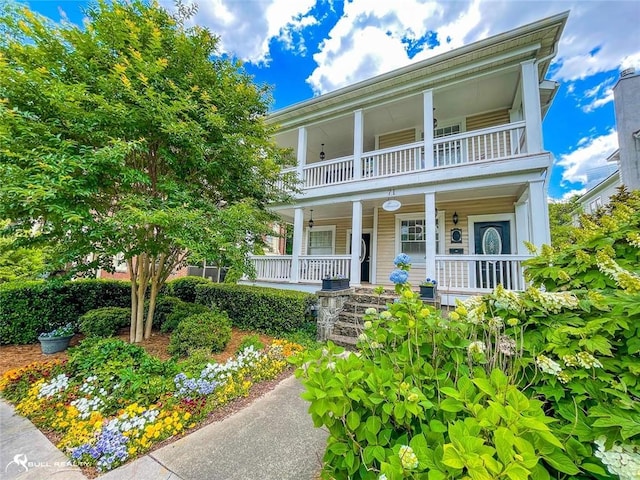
(310,47)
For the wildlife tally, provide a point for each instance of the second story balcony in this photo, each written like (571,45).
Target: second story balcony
(484,145)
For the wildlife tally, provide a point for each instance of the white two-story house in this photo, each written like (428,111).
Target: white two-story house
(442,159)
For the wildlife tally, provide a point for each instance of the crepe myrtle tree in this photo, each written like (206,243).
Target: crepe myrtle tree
(131,135)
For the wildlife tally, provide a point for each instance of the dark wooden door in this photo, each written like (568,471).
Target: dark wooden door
(365,257)
(492,238)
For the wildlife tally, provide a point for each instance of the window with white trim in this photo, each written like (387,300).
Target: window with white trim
(595,204)
(411,236)
(321,241)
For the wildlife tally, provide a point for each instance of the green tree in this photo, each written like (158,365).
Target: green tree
(561,215)
(132,135)
(19,263)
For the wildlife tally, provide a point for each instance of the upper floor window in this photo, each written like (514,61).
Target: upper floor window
(445,131)
(595,204)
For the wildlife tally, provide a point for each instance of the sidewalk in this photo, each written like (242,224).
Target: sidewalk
(271,439)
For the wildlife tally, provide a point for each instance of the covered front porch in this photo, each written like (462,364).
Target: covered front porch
(468,240)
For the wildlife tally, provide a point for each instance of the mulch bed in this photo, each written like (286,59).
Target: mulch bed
(14,356)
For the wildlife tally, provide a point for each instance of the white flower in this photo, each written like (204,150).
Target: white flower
(546,365)
(408,458)
(386,314)
(370,311)
(622,460)
(367,325)
(382,477)
(476,347)
(56,385)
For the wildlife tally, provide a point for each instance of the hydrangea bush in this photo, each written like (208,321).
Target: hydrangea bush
(429,397)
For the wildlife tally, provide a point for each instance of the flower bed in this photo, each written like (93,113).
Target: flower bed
(133,401)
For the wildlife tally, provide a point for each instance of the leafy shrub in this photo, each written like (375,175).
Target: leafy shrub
(165,305)
(205,330)
(266,310)
(185,287)
(250,341)
(428,398)
(181,311)
(28,308)
(104,322)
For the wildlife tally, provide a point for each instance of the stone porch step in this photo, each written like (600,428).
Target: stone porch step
(347,329)
(344,341)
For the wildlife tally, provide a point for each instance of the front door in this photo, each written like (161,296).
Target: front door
(492,238)
(365,257)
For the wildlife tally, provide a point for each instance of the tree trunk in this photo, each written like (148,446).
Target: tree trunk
(134,299)
(143,281)
(152,307)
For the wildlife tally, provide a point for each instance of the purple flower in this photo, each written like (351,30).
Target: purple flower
(109,450)
(399,276)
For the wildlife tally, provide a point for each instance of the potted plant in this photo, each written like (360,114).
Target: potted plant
(56,340)
(335,282)
(428,289)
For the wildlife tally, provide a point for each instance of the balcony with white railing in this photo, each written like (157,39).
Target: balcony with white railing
(474,273)
(484,145)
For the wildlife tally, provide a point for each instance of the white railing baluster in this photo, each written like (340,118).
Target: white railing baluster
(473,273)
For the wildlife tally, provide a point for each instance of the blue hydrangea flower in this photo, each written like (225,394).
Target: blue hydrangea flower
(402,259)
(399,276)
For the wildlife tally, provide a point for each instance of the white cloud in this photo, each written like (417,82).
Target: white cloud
(368,38)
(245,27)
(592,41)
(599,95)
(566,196)
(588,163)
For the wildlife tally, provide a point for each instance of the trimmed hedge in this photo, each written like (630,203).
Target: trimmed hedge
(185,287)
(32,307)
(267,310)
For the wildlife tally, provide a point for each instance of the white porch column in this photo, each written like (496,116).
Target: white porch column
(357,144)
(539,213)
(302,152)
(531,104)
(356,238)
(427,127)
(430,234)
(298,221)
(522,225)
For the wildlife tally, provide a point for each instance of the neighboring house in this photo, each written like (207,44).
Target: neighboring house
(626,94)
(599,194)
(442,160)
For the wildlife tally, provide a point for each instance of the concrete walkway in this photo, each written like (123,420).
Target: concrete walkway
(271,439)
